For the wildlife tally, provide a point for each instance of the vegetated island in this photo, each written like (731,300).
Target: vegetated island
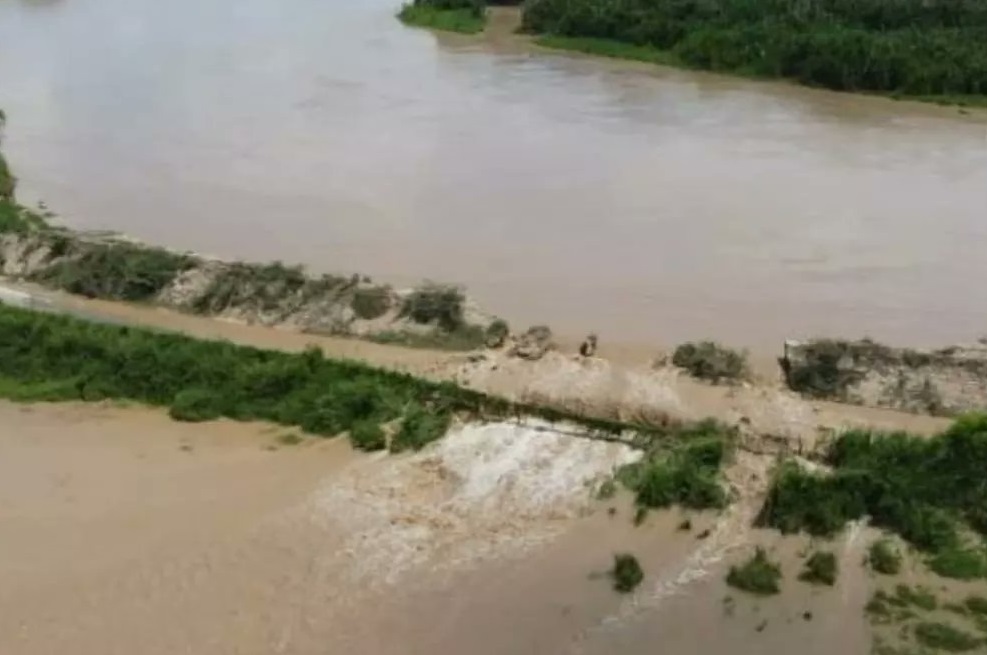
(926,50)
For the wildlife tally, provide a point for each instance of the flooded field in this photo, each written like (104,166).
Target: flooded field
(650,205)
(122,531)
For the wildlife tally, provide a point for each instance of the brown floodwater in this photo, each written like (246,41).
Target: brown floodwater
(651,205)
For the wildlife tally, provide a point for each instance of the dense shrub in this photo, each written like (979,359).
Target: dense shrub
(820,568)
(923,489)
(758,575)
(195,405)
(626,573)
(420,427)
(8,183)
(707,360)
(908,46)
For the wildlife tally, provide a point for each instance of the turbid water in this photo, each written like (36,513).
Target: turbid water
(651,205)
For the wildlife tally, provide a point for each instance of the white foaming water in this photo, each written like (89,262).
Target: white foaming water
(484,491)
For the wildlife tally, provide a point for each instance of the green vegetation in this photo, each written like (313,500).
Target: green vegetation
(820,568)
(469,337)
(626,573)
(496,333)
(368,436)
(929,491)
(707,360)
(47,357)
(607,490)
(684,472)
(945,637)
(608,48)
(884,558)
(15,219)
(436,304)
(465,16)
(267,288)
(758,575)
(909,47)
(8,183)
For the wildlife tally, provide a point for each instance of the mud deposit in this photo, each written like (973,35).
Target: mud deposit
(123,532)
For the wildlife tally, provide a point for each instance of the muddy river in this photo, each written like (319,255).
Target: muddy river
(651,205)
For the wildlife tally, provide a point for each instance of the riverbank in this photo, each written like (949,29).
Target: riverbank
(904,51)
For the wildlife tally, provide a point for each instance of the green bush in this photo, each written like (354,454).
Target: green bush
(917,597)
(759,575)
(884,558)
(195,405)
(368,436)
(976,605)
(8,183)
(707,360)
(466,20)
(820,568)
(943,636)
(626,573)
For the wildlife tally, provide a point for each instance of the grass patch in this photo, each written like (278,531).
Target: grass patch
(929,491)
(943,636)
(759,575)
(609,48)
(686,473)
(626,573)
(464,21)
(884,558)
(710,361)
(419,428)
(821,568)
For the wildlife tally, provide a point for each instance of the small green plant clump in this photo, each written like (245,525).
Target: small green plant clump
(371,302)
(960,562)
(943,636)
(759,575)
(884,558)
(8,183)
(820,568)
(686,474)
(607,490)
(917,597)
(710,361)
(626,573)
(976,605)
(436,304)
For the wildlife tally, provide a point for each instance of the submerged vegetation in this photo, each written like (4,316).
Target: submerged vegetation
(943,636)
(758,575)
(928,491)
(911,47)
(464,16)
(626,573)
